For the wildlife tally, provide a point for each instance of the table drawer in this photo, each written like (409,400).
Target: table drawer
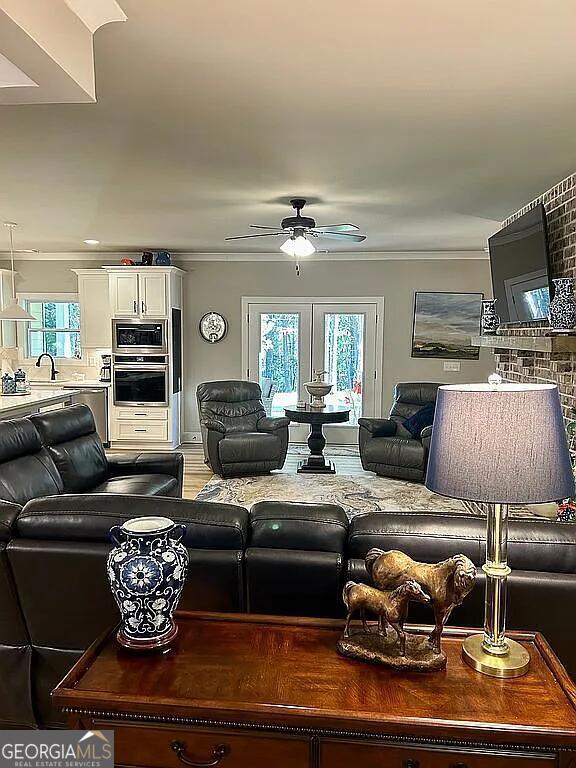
(160,414)
(141,430)
(152,747)
(345,754)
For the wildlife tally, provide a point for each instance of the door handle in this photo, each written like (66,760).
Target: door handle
(220,751)
(135,307)
(410,764)
(143,308)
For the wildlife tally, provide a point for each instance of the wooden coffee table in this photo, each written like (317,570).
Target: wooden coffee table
(317,417)
(243,691)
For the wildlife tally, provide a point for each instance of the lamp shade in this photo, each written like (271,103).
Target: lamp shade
(503,444)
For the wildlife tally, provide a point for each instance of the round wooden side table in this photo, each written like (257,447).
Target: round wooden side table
(317,417)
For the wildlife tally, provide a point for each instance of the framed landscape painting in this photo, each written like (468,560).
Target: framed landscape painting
(444,324)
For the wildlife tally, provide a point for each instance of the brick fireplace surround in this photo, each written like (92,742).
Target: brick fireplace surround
(548,367)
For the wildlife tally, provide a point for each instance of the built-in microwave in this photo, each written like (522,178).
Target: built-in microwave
(139,337)
(138,380)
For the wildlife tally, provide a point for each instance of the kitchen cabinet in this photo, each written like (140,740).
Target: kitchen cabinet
(152,290)
(137,294)
(95,318)
(124,295)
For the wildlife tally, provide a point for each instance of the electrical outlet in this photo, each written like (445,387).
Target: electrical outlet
(451,365)
(92,362)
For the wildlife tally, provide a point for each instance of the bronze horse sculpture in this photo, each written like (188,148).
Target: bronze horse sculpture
(446,583)
(390,607)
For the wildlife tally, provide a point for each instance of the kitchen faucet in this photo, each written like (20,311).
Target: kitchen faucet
(53,370)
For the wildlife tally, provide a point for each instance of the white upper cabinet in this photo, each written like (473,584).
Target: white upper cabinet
(95,318)
(124,295)
(137,294)
(153,295)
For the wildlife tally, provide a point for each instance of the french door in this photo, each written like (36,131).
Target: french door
(287,341)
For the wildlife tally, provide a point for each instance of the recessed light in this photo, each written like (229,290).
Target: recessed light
(90,241)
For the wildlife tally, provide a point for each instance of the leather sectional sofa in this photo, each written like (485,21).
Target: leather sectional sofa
(60,452)
(280,558)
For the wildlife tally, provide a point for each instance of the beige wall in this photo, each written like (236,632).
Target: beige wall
(221,285)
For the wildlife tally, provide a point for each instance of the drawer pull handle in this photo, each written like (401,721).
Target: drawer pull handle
(220,751)
(140,430)
(458,765)
(410,764)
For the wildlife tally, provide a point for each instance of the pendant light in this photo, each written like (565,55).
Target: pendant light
(13,310)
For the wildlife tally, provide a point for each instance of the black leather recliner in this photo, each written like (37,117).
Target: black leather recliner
(387,447)
(238,437)
(60,452)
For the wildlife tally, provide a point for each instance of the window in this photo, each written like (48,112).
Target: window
(55,330)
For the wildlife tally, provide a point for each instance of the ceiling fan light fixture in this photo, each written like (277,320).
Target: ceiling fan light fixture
(298,246)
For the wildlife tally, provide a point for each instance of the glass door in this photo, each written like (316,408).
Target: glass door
(279,356)
(344,347)
(287,342)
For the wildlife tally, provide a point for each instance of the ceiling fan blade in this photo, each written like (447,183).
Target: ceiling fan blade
(347,236)
(264,234)
(337,228)
(258,226)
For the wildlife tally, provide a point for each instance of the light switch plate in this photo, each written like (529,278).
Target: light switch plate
(451,365)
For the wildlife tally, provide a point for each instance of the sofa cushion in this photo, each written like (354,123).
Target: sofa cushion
(26,469)
(293,525)
(249,446)
(139,485)
(86,517)
(73,443)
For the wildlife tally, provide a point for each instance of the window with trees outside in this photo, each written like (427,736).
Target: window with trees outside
(55,329)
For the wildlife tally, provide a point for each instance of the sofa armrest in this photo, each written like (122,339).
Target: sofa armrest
(269,424)
(215,425)
(379,427)
(426,436)
(146,463)
(9,511)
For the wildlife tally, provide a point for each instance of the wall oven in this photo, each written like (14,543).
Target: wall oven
(141,380)
(139,337)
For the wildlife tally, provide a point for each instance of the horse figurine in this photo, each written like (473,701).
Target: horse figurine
(447,583)
(390,607)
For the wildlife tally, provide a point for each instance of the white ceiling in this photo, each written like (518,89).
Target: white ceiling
(425,123)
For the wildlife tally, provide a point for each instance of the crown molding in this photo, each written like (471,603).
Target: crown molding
(112,259)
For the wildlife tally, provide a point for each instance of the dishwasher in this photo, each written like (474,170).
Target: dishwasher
(96,398)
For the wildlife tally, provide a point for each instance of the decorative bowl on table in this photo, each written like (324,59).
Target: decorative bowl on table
(318,389)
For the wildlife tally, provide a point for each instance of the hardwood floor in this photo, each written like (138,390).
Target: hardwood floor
(196,474)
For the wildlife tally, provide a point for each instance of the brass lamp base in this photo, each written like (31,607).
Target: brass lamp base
(515,663)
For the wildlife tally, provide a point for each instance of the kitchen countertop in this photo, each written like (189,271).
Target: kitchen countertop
(59,383)
(20,405)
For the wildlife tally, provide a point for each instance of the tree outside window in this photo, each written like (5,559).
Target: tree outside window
(55,329)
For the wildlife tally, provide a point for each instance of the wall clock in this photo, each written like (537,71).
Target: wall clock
(213,327)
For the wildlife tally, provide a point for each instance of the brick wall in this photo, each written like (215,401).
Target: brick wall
(548,367)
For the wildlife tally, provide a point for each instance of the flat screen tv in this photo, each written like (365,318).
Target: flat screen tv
(519,265)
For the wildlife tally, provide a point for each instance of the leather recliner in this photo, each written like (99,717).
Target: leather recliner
(238,438)
(60,452)
(387,447)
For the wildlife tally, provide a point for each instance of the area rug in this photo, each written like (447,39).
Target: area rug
(355,493)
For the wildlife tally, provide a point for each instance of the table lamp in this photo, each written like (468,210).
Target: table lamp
(499,444)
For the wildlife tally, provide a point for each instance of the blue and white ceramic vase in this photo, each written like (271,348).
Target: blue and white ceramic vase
(562,315)
(489,322)
(147,570)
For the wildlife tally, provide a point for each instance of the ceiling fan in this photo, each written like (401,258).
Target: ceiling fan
(300,229)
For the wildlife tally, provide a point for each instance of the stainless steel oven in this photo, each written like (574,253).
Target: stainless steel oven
(139,337)
(140,380)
